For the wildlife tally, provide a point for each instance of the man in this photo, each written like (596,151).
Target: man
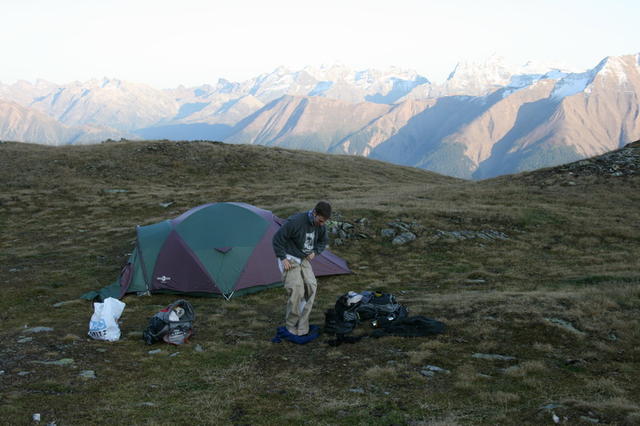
(302,237)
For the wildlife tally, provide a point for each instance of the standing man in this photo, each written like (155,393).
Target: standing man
(302,237)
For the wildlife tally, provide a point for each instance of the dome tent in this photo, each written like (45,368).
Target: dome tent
(214,249)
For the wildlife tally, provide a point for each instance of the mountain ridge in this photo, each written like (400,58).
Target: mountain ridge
(487,119)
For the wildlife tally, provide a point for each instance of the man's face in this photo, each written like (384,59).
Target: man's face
(319,220)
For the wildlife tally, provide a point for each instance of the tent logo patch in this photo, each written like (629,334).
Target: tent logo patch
(163,279)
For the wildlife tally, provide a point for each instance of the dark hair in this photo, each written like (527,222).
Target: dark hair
(323,209)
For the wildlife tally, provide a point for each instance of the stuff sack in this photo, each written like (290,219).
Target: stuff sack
(104,321)
(173,324)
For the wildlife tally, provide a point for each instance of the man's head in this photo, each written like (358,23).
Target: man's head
(321,213)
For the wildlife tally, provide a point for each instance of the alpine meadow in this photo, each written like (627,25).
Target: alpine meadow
(535,275)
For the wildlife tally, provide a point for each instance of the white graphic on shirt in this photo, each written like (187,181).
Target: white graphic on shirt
(308,242)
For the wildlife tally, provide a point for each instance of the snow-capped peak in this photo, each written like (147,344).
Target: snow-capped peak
(614,66)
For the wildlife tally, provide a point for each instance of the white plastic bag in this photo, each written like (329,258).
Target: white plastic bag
(104,321)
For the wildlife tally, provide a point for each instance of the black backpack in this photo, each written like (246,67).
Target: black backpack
(174,324)
(381,309)
(341,319)
(378,308)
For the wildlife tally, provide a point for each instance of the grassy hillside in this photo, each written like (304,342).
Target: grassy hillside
(558,292)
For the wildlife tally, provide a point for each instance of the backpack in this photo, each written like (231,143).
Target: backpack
(381,309)
(341,319)
(174,324)
(351,308)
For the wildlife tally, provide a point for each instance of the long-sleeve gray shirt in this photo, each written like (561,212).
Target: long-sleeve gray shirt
(299,237)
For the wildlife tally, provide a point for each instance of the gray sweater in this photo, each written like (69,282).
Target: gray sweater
(299,237)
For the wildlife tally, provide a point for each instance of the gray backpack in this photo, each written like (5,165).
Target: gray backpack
(174,324)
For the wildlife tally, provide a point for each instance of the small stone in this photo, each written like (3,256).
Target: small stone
(147,404)
(478,281)
(38,330)
(427,373)
(87,374)
(101,350)
(404,238)
(66,302)
(36,417)
(174,354)
(167,204)
(400,225)
(25,340)
(493,357)
(154,351)
(115,191)
(550,407)
(63,361)
(356,390)
(24,373)
(436,369)
(1,372)
(589,419)
(198,348)
(571,183)
(566,325)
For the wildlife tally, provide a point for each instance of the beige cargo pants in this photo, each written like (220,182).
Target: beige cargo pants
(300,284)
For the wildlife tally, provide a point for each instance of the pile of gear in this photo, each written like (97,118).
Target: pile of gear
(173,324)
(381,311)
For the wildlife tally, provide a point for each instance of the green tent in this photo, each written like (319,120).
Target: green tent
(214,249)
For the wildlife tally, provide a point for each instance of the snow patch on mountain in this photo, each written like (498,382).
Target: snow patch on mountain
(572,84)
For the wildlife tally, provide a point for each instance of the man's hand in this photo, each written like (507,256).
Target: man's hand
(311,256)
(286,264)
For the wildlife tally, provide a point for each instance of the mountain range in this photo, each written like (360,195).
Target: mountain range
(488,118)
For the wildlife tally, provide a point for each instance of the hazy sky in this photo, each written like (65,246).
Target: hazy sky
(166,43)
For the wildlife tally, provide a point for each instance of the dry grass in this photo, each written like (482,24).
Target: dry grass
(573,254)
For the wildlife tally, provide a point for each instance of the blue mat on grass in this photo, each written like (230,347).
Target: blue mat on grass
(283,334)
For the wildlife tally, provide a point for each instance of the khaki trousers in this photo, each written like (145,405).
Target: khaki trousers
(300,284)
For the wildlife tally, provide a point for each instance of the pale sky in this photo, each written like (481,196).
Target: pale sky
(165,43)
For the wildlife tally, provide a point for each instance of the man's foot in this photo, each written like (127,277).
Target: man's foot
(294,332)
